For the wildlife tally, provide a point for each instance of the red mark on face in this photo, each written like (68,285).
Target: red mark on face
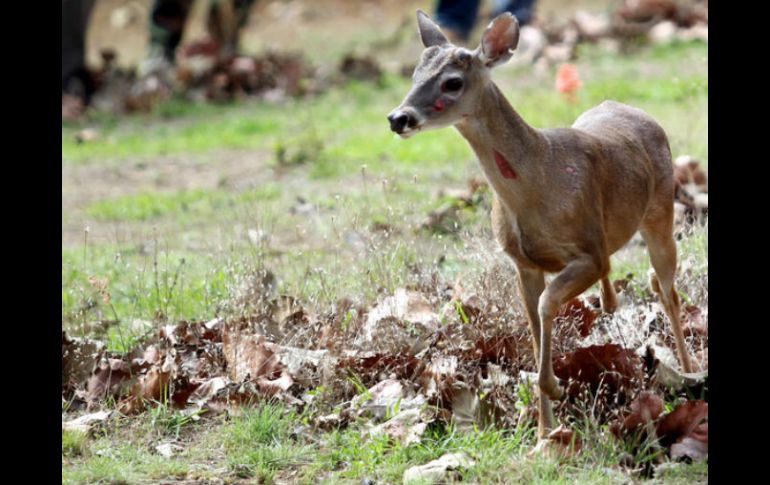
(505,168)
(439,105)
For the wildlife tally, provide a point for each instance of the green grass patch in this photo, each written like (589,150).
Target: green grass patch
(73,443)
(198,131)
(192,203)
(140,283)
(113,462)
(259,443)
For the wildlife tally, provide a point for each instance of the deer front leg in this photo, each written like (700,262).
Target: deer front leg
(531,286)
(573,280)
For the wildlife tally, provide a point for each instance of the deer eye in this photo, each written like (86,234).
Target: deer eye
(452,84)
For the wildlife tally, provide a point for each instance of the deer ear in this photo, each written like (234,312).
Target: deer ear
(429,32)
(499,40)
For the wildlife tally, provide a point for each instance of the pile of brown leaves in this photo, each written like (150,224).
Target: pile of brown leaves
(554,42)
(415,357)
(202,74)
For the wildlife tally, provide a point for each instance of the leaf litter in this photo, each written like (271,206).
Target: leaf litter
(414,358)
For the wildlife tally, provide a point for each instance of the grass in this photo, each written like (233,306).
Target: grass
(196,203)
(269,443)
(110,461)
(125,450)
(160,285)
(73,443)
(261,441)
(350,119)
(170,252)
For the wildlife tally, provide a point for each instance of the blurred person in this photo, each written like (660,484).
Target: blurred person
(457,17)
(77,86)
(167,23)
(166,27)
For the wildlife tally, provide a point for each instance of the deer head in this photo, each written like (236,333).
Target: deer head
(449,79)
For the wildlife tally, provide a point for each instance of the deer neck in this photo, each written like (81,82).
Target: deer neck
(509,150)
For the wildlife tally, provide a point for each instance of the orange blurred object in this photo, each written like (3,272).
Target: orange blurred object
(567,80)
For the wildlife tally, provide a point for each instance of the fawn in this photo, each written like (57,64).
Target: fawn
(565,199)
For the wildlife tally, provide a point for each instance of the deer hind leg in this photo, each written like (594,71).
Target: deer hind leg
(608,297)
(573,280)
(658,234)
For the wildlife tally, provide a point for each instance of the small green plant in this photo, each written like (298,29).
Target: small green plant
(361,389)
(393,410)
(73,443)
(525,394)
(346,322)
(461,312)
(307,148)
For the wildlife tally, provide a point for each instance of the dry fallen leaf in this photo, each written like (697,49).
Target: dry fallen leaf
(250,356)
(78,359)
(694,321)
(646,408)
(609,365)
(402,323)
(683,421)
(694,446)
(381,397)
(110,374)
(687,172)
(271,387)
(685,430)
(405,427)
(664,368)
(369,365)
(437,378)
(191,333)
(86,423)
(207,390)
(436,471)
(496,349)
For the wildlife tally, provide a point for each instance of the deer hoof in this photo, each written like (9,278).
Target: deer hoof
(549,449)
(554,446)
(542,449)
(609,306)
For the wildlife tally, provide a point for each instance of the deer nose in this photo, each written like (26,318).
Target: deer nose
(399,120)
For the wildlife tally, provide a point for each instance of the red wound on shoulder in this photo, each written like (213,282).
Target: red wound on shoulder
(439,105)
(505,168)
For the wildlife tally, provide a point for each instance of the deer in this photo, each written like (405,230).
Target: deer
(564,199)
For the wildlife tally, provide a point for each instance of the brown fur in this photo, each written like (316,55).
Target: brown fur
(579,195)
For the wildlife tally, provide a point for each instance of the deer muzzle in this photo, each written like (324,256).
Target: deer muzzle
(402,120)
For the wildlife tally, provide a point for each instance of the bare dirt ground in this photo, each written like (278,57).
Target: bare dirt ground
(235,169)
